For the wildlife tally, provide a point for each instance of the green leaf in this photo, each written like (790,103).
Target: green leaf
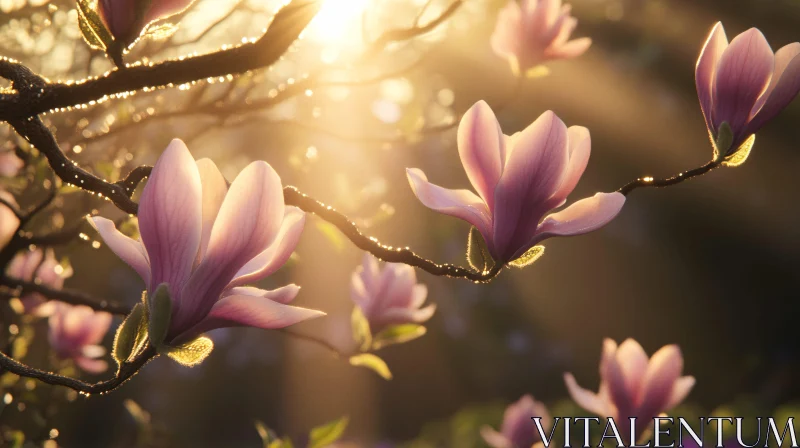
(398,334)
(741,154)
(478,252)
(131,335)
(93,29)
(540,71)
(139,415)
(284,443)
(267,436)
(159,308)
(327,434)
(529,257)
(161,32)
(373,363)
(191,353)
(360,326)
(724,140)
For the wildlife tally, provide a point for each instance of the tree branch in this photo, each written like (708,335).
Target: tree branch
(126,371)
(648,181)
(65,295)
(36,95)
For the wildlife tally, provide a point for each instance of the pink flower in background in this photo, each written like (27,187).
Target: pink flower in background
(206,240)
(518,430)
(42,268)
(531,32)
(744,83)
(519,180)
(75,332)
(389,296)
(8,220)
(633,386)
(125,23)
(10,164)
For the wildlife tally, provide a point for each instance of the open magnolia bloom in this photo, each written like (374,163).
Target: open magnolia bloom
(744,84)
(41,268)
(633,386)
(519,180)
(389,296)
(518,430)
(127,19)
(206,240)
(75,332)
(531,32)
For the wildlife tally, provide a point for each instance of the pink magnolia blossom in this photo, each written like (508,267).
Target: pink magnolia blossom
(389,296)
(125,23)
(207,240)
(518,430)
(8,220)
(531,32)
(744,83)
(519,180)
(10,164)
(42,268)
(75,332)
(633,386)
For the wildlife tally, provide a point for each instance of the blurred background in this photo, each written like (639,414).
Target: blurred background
(710,264)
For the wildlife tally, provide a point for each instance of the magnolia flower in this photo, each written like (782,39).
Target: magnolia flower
(744,84)
(42,268)
(8,220)
(75,332)
(518,430)
(632,386)
(10,164)
(206,240)
(126,19)
(519,180)
(531,32)
(389,296)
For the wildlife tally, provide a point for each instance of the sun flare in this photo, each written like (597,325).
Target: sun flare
(338,22)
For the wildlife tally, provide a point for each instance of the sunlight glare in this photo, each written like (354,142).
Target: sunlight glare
(339,22)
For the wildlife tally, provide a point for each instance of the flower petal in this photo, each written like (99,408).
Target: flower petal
(462,204)
(418,295)
(169,217)
(569,50)
(505,39)
(214,188)
(584,216)
(705,71)
(162,9)
(493,438)
(743,73)
(680,391)
(662,373)
(534,169)
(584,398)
(91,365)
(580,147)
(252,311)
(248,222)
(394,316)
(633,361)
(481,146)
(276,255)
(129,250)
(783,88)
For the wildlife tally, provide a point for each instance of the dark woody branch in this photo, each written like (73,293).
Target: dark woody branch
(35,95)
(126,371)
(63,295)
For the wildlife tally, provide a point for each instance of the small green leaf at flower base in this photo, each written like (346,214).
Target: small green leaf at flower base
(131,335)
(529,257)
(373,363)
(159,309)
(191,353)
(268,437)
(333,234)
(540,71)
(161,32)
(327,434)
(478,252)
(724,140)
(92,28)
(398,334)
(741,154)
(360,327)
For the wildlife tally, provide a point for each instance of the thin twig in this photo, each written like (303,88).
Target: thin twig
(648,181)
(64,295)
